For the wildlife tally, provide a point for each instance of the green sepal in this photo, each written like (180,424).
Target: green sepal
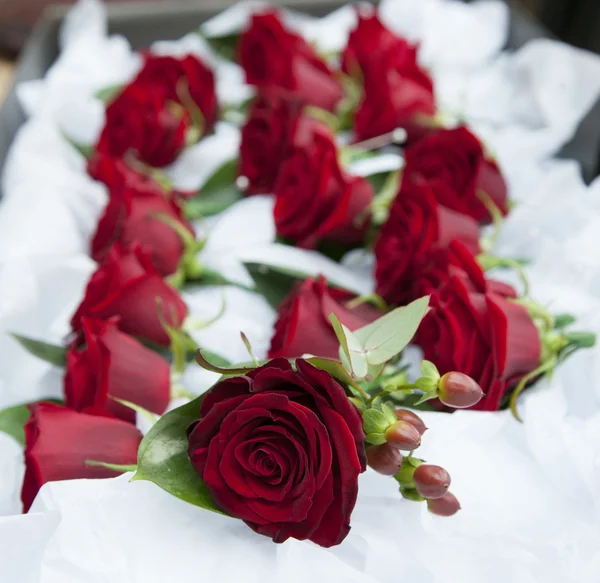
(13,420)
(411,494)
(376,438)
(374,421)
(224,370)
(108,94)
(51,353)
(115,467)
(563,320)
(163,458)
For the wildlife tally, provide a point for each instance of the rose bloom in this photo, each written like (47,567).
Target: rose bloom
(58,442)
(142,123)
(484,335)
(265,137)
(315,200)
(281,449)
(135,213)
(272,56)
(109,364)
(127,285)
(398,92)
(186,80)
(412,242)
(303,325)
(456,167)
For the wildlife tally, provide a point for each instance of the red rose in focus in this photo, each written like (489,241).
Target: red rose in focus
(282,450)
(127,285)
(413,240)
(187,81)
(134,213)
(265,138)
(272,56)
(455,165)
(146,124)
(110,364)
(314,199)
(398,92)
(58,442)
(483,335)
(303,325)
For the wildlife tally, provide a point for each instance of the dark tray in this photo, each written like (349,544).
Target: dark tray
(144,23)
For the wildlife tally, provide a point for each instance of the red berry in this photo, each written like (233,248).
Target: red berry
(403,435)
(384,459)
(459,391)
(412,418)
(447,505)
(431,482)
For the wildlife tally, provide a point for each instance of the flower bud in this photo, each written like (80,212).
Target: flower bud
(447,505)
(403,435)
(384,459)
(412,418)
(431,481)
(458,390)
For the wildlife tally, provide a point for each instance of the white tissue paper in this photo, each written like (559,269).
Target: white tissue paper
(530,492)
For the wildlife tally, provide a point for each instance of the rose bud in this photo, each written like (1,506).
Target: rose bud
(412,418)
(108,363)
(59,441)
(447,505)
(384,459)
(431,482)
(458,390)
(403,435)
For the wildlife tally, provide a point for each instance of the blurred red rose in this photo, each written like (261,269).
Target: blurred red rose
(108,363)
(127,285)
(136,212)
(410,250)
(265,138)
(58,442)
(281,449)
(315,200)
(272,56)
(456,167)
(398,92)
(303,325)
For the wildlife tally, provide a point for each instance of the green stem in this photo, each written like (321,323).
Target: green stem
(544,367)
(497,219)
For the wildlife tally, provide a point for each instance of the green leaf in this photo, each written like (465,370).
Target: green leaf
(389,335)
(219,192)
(274,283)
(351,351)
(85,150)
(107,94)
(51,353)
(225,46)
(375,438)
(374,421)
(12,422)
(163,458)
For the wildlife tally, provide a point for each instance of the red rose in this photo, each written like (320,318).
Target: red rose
(182,79)
(282,450)
(58,441)
(369,41)
(108,363)
(314,199)
(146,124)
(127,285)
(455,165)
(484,335)
(414,238)
(272,56)
(303,326)
(132,216)
(398,92)
(265,138)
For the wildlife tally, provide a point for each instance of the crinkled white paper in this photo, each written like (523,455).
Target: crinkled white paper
(530,493)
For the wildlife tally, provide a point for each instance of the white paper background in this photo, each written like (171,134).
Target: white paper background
(530,493)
